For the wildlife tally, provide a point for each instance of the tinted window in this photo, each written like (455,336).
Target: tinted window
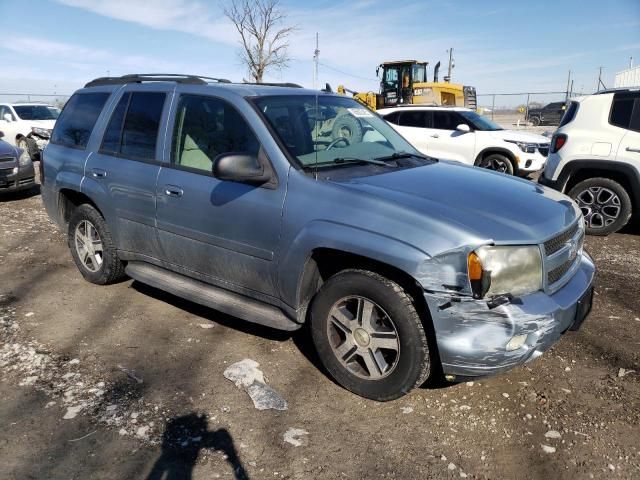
(111,141)
(78,118)
(569,114)
(621,112)
(141,123)
(635,117)
(207,127)
(444,120)
(392,117)
(413,118)
(3,111)
(34,112)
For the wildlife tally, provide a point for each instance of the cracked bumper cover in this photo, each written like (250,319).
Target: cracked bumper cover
(472,337)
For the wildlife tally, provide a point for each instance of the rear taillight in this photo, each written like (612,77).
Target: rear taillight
(558,142)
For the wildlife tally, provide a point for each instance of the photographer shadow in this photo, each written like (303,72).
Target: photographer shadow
(182,441)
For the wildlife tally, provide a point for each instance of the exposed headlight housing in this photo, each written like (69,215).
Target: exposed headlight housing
(24,159)
(524,146)
(498,270)
(41,132)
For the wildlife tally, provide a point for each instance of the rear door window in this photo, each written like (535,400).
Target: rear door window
(79,116)
(133,128)
(413,118)
(621,110)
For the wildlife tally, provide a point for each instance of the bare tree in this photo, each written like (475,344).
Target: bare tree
(263,36)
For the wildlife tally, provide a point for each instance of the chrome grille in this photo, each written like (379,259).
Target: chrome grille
(556,243)
(6,171)
(562,255)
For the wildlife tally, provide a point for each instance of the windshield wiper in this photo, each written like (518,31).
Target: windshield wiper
(375,161)
(398,155)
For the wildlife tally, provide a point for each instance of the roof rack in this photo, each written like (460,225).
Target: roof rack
(283,84)
(154,77)
(617,89)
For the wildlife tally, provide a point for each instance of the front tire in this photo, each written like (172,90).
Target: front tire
(369,335)
(535,121)
(496,162)
(605,204)
(92,247)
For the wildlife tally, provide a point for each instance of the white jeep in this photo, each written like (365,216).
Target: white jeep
(595,158)
(461,134)
(28,125)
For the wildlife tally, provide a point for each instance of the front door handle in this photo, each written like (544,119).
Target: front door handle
(435,135)
(98,173)
(634,150)
(173,191)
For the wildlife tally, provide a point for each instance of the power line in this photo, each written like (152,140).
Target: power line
(369,79)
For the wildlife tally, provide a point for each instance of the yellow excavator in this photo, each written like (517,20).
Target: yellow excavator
(404,82)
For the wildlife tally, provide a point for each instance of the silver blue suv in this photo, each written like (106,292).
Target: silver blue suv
(281,205)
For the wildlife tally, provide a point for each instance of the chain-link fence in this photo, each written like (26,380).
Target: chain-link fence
(49,99)
(532,111)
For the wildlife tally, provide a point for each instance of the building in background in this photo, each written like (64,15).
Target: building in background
(628,78)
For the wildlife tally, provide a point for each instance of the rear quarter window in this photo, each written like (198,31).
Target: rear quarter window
(569,114)
(79,116)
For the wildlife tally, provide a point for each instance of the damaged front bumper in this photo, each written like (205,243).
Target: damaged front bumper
(477,337)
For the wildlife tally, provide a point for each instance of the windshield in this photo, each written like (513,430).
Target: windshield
(35,112)
(324,130)
(479,122)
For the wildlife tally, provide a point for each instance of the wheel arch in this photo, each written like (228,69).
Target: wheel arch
(626,175)
(501,151)
(69,200)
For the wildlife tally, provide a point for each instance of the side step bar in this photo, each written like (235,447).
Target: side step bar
(214,297)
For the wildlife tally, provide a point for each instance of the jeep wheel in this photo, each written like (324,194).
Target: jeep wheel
(92,247)
(496,162)
(369,336)
(535,121)
(605,204)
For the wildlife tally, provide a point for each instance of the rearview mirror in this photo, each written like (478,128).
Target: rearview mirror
(7,117)
(240,167)
(463,127)
(1,134)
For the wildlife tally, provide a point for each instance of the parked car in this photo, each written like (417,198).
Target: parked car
(463,135)
(232,196)
(550,114)
(595,157)
(16,168)
(28,125)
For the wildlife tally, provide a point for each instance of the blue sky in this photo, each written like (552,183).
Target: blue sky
(55,46)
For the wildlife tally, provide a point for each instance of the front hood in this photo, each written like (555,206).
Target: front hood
(48,124)
(482,205)
(520,136)
(7,150)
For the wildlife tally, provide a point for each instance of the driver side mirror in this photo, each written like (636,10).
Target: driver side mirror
(463,127)
(240,167)
(7,117)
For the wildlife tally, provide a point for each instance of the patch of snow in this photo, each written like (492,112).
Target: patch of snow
(548,449)
(552,434)
(206,326)
(72,412)
(406,409)
(246,375)
(296,437)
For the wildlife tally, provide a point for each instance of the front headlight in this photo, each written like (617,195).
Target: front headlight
(41,132)
(497,270)
(524,146)
(24,159)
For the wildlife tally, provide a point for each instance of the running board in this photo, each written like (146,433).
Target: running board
(217,298)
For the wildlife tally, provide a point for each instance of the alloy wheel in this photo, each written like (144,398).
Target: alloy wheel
(495,164)
(363,337)
(600,206)
(88,245)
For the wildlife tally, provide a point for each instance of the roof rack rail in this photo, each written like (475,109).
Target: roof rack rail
(154,77)
(274,84)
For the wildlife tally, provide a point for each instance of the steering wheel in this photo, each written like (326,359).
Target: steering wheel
(337,141)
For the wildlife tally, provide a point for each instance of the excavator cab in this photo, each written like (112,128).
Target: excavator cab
(398,78)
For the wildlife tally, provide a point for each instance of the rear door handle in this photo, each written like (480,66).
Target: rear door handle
(173,191)
(98,173)
(631,149)
(435,135)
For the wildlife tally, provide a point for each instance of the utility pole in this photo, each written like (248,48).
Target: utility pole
(451,65)
(630,62)
(568,83)
(316,55)
(599,79)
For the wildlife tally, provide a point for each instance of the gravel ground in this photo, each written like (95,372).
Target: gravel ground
(126,381)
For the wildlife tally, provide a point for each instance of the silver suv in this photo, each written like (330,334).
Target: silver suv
(284,206)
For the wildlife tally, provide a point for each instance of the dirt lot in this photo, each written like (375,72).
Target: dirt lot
(125,381)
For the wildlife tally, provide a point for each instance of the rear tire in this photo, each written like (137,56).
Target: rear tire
(605,204)
(92,247)
(348,127)
(369,335)
(535,121)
